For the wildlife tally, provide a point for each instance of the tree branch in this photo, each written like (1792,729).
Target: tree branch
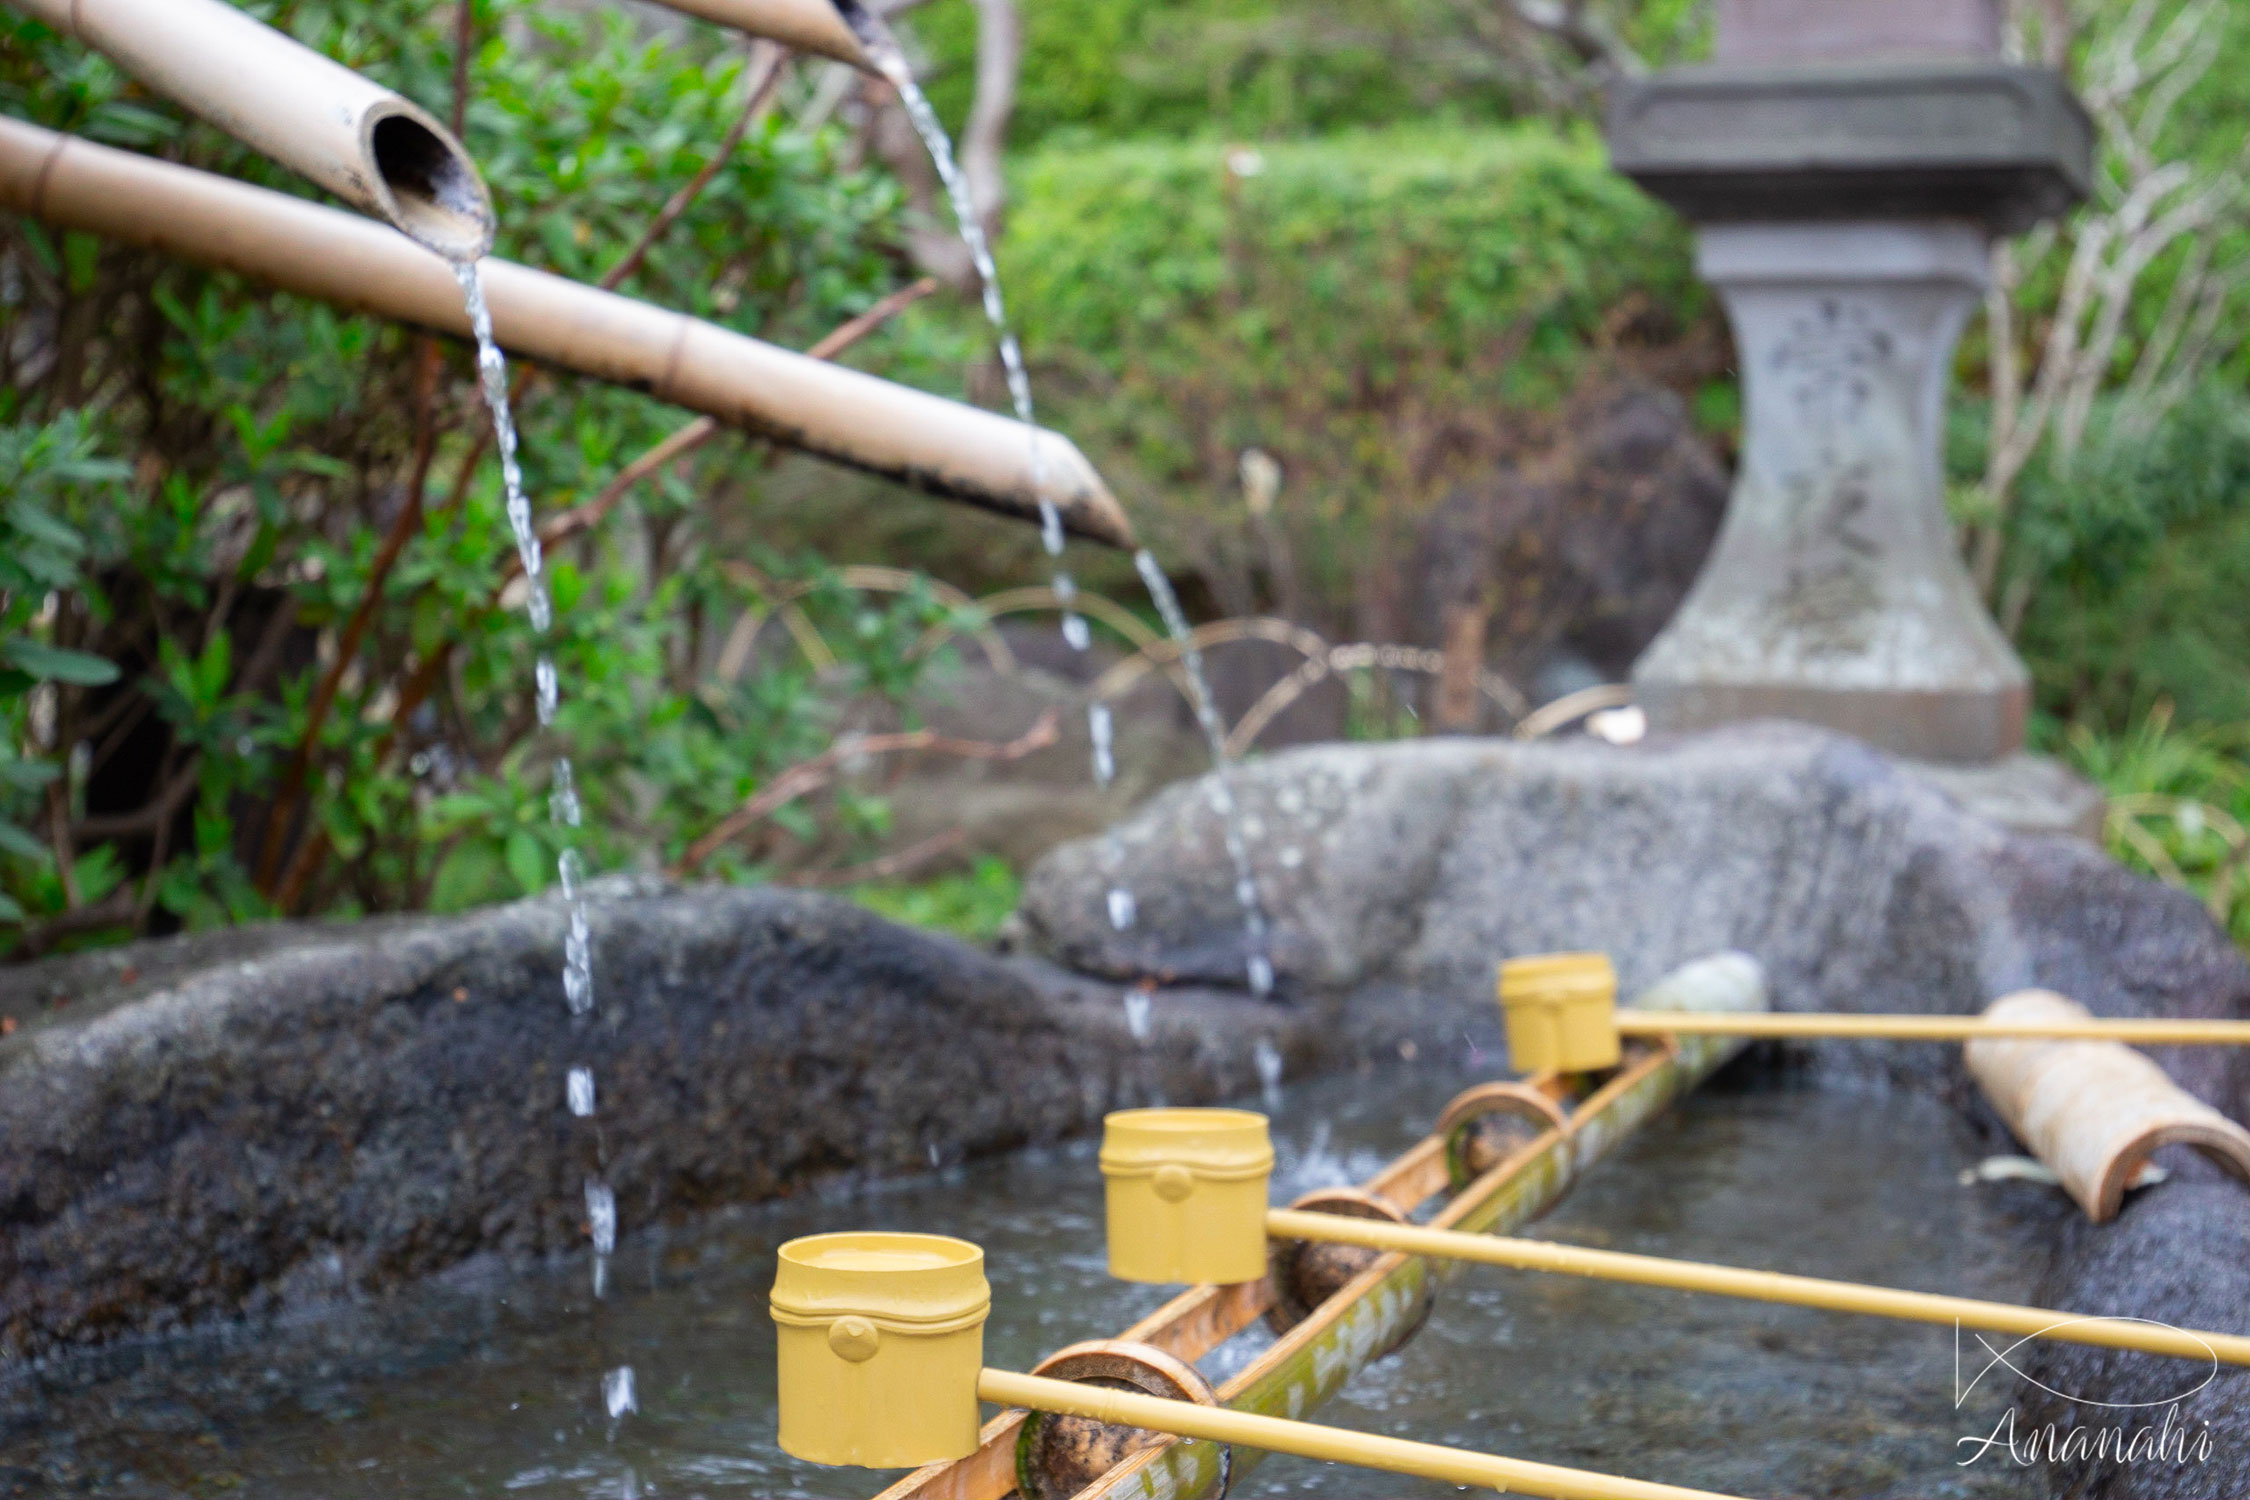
(1585,31)
(811,775)
(984,137)
(769,63)
(403,527)
(290,887)
(888,867)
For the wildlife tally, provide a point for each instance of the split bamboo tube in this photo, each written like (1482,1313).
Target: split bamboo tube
(1762,1286)
(1219,1424)
(367,145)
(942,447)
(2094,1111)
(2147,1033)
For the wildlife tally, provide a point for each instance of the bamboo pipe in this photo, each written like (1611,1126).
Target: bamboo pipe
(370,147)
(1219,1424)
(815,26)
(2150,1033)
(1761,1286)
(942,447)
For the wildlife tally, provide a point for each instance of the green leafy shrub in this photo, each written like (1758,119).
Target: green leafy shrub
(201,475)
(2179,805)
(1381,312)
(2140,552)
(50,481)
(971,904)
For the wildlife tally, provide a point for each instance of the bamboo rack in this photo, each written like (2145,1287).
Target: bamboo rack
(1310,1363)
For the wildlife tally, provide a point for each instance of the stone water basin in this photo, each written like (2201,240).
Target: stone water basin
(486,1381)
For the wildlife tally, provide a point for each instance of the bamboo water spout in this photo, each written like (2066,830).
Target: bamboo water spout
(942,447)
(814,26)
(367,145)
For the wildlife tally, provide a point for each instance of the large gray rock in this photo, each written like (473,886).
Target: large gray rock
(204,1129)
(2178,1254)
(1403,873)
(1415,867)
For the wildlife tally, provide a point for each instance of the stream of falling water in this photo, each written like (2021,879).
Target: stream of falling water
(563,805)
(884,50)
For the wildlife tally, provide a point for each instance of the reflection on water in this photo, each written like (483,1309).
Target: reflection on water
(490,1382)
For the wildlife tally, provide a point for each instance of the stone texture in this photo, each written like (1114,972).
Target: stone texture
(1402,873)
(2029,793)
(1998,145)
(348,1108)
(2178,1254)
(1802,31)
(1836,593)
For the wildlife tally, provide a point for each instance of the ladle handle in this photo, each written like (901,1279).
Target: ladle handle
(1763,1286)
(1219,1424)
(1929,1028)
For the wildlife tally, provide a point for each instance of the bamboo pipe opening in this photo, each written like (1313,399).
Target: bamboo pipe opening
(427,185)
(369,145)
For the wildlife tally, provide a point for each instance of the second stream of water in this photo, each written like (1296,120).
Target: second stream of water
(475,1384)
(884,49)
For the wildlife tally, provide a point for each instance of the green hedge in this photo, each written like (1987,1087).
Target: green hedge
(1267,68)
(1377,310)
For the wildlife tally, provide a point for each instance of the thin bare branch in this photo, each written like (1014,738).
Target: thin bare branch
(985,136)
(888,867)
(768,65)
(811,775)
(1581,27)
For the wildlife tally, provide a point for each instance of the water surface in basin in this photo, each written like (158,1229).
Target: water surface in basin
(480,1385)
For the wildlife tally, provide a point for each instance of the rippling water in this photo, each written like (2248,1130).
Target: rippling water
(488,1383)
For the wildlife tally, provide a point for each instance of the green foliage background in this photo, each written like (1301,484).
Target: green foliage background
(254,448)
(1374,238)
(1376,309)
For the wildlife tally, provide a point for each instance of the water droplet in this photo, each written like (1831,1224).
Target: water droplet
(579,1089)
(1122,910)
(601,1215)
(1268,1060)
(1137,1014)
(1261,975)
(578,963)
(1103,731)
(549,691)
(562,796)
(617,1391)
(1075,633)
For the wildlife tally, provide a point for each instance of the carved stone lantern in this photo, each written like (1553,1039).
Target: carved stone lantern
(1847,164)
